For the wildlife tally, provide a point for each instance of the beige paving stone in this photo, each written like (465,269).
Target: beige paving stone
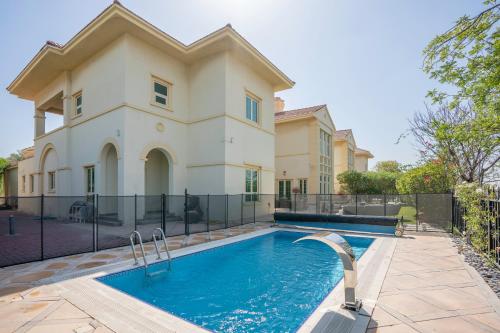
(451,299)
(382,318)
(104,256)
(13,291)
(451,325)
(33,277)
(16,314)
(67,311)
(408,305)
(61,327)
(57,265)
(392,329)
(491,320)
(91,264)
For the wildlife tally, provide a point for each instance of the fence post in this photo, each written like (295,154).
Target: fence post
(416,214)
(135,212)
(186,215)
(241,206)
(41,226)
(331,204)
(356,203)
(94,247)
(208,212)
(385,205)
(96,222)
(254,200)
(226,222)
(163,212)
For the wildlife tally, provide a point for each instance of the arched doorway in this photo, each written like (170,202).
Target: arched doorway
(48,171)
(156,173)
(109,170)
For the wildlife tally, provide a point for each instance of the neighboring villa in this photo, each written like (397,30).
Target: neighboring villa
(348,156)
(146,114)
(304,155)
(361,157)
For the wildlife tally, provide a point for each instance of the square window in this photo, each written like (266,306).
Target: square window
(78,101)
(252,106)
(161,93)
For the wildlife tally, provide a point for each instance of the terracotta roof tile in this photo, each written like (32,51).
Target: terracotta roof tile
(342,134)
(298,113)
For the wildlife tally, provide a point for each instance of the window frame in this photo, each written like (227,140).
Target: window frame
(77,95)
(32,183)
(168,97)
(51,181)
(252,196)
(87,168)
(303,185)
(258,102)
(23,183)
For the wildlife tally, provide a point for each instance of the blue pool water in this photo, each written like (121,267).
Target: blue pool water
(381,229)
(264,284)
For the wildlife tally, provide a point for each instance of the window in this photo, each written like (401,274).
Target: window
(251,184)
(52,181)
(350,159)
(32,183)
(284,189)
(303,186)
(23,184)
(252,108)
(325,177)
(161,93)
(78,100)
(90,179)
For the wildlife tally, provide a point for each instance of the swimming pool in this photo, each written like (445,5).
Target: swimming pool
(263,284)
(373,228)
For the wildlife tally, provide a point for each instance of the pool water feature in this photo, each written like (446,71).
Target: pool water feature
(263,284)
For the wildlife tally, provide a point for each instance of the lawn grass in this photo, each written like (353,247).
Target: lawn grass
(409,214)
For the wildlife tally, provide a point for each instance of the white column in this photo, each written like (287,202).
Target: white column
(39,122)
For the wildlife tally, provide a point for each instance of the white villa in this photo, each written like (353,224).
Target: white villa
(146,114)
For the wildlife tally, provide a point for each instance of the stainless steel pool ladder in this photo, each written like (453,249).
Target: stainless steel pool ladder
(132,245)
(162,234)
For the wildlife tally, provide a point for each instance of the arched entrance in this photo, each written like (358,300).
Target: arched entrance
(109,171)
(48,170)
(156,173)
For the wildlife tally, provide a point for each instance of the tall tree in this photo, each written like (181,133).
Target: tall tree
(389,166)
(467,57)
(457,138)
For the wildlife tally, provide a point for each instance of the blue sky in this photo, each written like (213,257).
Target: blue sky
(361,58)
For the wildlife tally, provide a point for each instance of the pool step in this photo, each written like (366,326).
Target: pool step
(153,274)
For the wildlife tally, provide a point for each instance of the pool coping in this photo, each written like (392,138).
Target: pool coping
(124,313)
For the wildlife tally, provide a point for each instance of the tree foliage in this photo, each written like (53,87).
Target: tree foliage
(458,138)
(389,166)
(467,57)
(4,163)
(354,182)
(431,177)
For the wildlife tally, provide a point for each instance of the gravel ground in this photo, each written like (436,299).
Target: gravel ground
(490,274)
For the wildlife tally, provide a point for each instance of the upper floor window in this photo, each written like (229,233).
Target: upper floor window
(252,108)
(78,100)
(52,181)
(162,91)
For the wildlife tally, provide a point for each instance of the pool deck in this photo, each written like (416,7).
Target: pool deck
(418,283)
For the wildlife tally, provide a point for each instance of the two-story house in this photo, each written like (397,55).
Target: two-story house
(304,150)
(146,114)
(348,156)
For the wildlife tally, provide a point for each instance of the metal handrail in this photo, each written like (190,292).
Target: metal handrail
(165,244)
(132,245)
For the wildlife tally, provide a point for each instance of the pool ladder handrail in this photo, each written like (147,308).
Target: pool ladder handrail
(132,246)
(162,234)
